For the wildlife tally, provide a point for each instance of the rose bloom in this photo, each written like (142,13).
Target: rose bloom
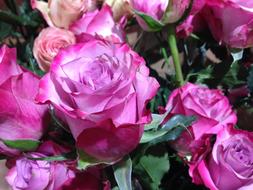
(120,8)
(98,23)
(210,107)
(20,117)
(61,13)
(220,16)
(48,43)
(159,11)
(29,174)
(229,163)
(194,22)
(101,90)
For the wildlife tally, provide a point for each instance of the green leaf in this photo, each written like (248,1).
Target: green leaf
(152,169)
(11,18)
(169,131)
(23,145)
(178,120)
(123,174)
(62,157)
(5,30)
(85,160)
(157,120)
(231,78)
(153,25)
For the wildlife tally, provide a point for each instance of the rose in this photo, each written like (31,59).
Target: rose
(210,107)
(163,11)
(48,43)
(229,164)
(61,13)
(98,23)
(194,22)
(120,8)
(28,174)
(95,86)
(20,117)
(220,16)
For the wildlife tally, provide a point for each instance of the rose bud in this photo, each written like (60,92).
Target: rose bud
(21,118)
(62,13)
(48,44)
(94,86)
(99,23)
(219,16)
(229,163)
(162,11)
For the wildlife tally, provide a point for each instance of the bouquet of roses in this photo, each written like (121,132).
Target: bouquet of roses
(126,94)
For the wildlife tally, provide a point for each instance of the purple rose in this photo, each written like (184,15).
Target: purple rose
(210,107)
(98,23)
(94,86)
(229,164)
(20,117)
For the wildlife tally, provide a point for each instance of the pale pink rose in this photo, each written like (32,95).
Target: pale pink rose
(220,17)
(120,8)
(61,13)
(94,86)
(20,117)
(98,23)
(228,165)
(48,44)
(210,107)
(160,11)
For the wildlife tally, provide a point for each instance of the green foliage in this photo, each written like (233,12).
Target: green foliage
(153,25)
(22,145)
(123,174)
(151,169)
(170,130)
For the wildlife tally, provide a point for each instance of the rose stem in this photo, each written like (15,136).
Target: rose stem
(175,55)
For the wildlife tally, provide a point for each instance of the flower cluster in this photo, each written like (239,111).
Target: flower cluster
(77,92)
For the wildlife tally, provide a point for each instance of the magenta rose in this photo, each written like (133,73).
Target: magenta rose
(99,23)
(101,90)
(194,22)
(229,163)
(210,107)
(20,117)
(225,29)
(163,11)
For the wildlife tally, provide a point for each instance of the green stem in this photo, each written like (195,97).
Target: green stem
(175,55)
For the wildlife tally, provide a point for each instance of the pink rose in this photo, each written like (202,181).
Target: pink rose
(229,163)
(99,23)
(210,107)
(20,117)
(94,86)
(225,29)
(194,22)
(48,44)
(61,13)
(28,174)
(160,11)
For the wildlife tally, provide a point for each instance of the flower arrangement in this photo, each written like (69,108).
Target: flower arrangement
(126,94)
